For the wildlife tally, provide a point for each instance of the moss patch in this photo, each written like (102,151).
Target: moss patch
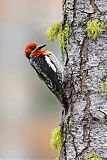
(56,140)
(53,31)
(94,27)
(102,86)
(92,156)
(56,32)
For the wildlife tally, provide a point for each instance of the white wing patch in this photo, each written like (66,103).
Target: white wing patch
(50,63)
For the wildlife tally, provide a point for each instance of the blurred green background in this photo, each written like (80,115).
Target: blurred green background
(28,110)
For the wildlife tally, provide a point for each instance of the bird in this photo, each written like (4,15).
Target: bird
(48,69)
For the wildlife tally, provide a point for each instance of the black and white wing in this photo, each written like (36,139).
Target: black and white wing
(49,70)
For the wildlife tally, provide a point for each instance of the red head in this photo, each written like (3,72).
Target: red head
(34,49)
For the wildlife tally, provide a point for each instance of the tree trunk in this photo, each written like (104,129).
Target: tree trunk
(85,66)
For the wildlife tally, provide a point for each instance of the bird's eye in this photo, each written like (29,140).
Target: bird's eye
(32,48)
(28,52)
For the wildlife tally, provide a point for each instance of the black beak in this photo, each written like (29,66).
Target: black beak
(37,48)
(40,47)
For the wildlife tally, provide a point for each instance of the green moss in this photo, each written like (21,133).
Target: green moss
(53,31)
(60,38)
(56,32)
(63,36)
(94,27)
(92,156)
(56,140)
(102,86)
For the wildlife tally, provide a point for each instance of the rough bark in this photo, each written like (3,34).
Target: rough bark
(85,66)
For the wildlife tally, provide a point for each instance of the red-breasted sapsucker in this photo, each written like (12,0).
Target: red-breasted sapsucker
(48,69)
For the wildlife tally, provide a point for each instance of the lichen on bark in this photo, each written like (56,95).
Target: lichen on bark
(85,66)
